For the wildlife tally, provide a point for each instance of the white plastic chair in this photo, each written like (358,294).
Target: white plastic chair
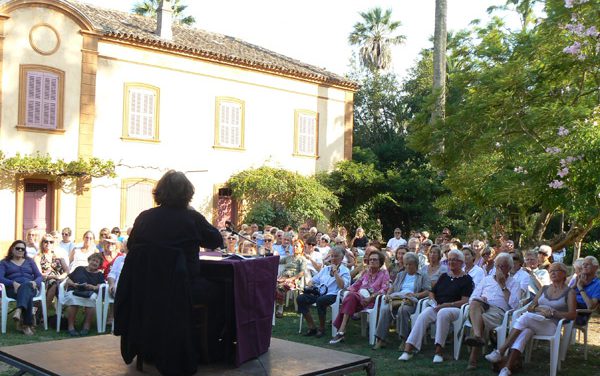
(457,328)
(368,320)
(578,330)
(98,301)
(501,330)
(335,308)
(41,297)
(107,300)
(420,305)
(558,345)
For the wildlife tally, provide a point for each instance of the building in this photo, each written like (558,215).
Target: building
(81,81)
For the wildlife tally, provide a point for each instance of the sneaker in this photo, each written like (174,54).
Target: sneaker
(405,356)
(310,332)
(438,358)
(337,339)
(494,356)
(505,372)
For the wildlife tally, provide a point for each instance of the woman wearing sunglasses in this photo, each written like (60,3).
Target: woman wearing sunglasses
(22,280)
(54,269)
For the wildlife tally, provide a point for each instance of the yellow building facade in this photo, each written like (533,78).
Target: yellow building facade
(79,81)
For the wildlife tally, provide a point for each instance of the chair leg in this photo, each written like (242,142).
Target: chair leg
(45,314)
(554,357)
(58,315)
(300,325)
(585,344)
(4,314)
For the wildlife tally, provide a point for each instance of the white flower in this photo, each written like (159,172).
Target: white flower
(569,3)
(498,144)
(562,131)
(562,173)
(556,184)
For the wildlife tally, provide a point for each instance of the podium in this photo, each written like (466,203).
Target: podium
(249,286)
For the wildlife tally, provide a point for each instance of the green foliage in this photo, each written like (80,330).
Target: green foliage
(282,195)
(43,164)
(375,36)
(148,8)
(521,132)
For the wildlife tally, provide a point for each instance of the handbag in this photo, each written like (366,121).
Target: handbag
(83,294)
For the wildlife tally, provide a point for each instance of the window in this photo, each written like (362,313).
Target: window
(41,92)
(140,120)
(306,133)
(229,123)
(136,196)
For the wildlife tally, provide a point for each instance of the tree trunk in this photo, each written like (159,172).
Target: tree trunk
(540,226)
(575,235)
(439,59)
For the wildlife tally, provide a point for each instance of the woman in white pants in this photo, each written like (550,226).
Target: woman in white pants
(552,303)
(452,290)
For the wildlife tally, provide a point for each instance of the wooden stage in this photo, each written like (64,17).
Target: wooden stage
(100,356)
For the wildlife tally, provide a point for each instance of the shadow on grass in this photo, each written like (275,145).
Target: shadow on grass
(387,363)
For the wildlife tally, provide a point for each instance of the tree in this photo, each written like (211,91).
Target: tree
(439,59)
(522,122)
(148,8)
(281,197)
(375,36)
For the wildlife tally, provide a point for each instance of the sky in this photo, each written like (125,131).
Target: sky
(316,31)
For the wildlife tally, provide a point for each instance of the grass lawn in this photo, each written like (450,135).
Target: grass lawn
(386,362)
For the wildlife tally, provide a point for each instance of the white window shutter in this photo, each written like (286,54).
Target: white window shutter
(230,124)
(307,134)
(50,101)
(34,99)
(142,113)
(139,198)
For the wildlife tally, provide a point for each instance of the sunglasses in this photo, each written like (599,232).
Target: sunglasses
(254,238)
(48,241)
(313,244)
(268,240)
(373,259)
(64,234)
(19,248)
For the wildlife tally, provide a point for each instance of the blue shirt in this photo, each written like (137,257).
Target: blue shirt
(11,272)
(281,251)
(592,290)
(324,278)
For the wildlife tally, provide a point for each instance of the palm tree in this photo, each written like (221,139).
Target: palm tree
(440,37)
(148,8)
(375,37)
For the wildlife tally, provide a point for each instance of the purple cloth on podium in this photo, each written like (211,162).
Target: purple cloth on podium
(254,283)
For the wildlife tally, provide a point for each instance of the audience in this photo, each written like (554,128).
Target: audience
(54,269)
(79,256)
(291,275)
(362,294)
(544,256)
(434,269)
(552,303)
(328,282)
(447,296)
(537,277)
(396,241)
(471,268)
(408,287)
(587,287)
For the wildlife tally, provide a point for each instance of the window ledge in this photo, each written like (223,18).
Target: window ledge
(143,140)
(28,128)
(231,148)
(305,156)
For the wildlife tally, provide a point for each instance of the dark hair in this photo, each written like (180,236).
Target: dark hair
(380,255)
(96,255)
(9,254)
(173,190)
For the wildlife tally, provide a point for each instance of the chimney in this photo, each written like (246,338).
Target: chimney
(164,20)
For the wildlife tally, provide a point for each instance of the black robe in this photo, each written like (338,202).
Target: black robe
(153,304)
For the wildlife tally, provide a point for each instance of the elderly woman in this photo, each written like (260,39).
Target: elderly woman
(360,240)
(83,285)
(537,277)
(398,265)
(552,303)
(361,295)
(409,286)
(434,270)
(331,279)
(22,280)
(290,277)
(109,254)
(447,296)
(54,269)
(80,255)
(577,269)
(472,269)
(544,256)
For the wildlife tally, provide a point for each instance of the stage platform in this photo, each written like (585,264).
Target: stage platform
(100,356)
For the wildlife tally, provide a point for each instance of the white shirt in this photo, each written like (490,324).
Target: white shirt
(477,273)
(543,276)
(115,271)
(324,278)
(317,258)
(523,279)
(394,243)
(491,290)
(61,253)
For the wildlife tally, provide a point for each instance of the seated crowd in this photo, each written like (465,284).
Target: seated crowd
(448,274)
(53,259)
